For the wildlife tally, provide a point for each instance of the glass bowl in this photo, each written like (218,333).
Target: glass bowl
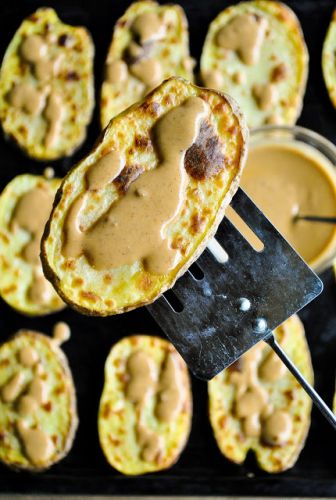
(316,147)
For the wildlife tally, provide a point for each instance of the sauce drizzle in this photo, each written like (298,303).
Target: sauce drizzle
(134,227)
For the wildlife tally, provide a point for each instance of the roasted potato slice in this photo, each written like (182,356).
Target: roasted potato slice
(256,404)
(129,174)
(46,86)
(328,59)
(150,43)
(25,205)
(38,416)
(146,406)
(255,51)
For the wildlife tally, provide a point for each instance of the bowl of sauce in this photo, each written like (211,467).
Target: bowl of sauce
(291,171)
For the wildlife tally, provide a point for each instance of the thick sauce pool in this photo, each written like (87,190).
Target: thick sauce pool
(287,179)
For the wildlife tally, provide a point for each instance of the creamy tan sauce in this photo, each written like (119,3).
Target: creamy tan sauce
(134,50)
(61,332)
(134,227)
(151,444)
(239,77)
(33,48)
(148,26)
(170,390)
(27,406)
(277,428)
(284,180)
(148,70)
(41,290)
(35,100)
(38,446)
(28,397)
(141,371)
(116,72)
(104,170)
(274,119)
(189,63)
(266,95)
(28,356)
(48,173)
(31,214)
(213,79)
(38,390)
(53,112)
(46,69)
(244,34)
(11,390)
(272,368)
(251,400)
(28,98)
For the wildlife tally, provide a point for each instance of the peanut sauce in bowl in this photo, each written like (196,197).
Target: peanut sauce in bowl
(291,171)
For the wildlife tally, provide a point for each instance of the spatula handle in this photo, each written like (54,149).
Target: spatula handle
(318,401)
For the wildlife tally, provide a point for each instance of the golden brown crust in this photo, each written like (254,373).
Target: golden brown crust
(328,59)
(287,39)
(73,422)
(285,394)
(170,51)
(116,434)
(72,83)
(237,165)
(16,273)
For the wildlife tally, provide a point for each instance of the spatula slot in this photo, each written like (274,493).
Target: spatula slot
(244,230)
(173,301)
(196,272)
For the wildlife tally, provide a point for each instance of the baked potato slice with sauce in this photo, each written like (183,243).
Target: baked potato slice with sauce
(256,404)
(46,86)
(328,59)
(150,43)
(255,51)
(146,406)
(38,416)
(25,205)
(146,200)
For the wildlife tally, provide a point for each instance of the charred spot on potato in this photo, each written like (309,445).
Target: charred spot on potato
(63,40)
(72,76)
(47,406)
(90,296)
(9,289)
(142,142)
(145,282)
(197,223)
(106,410)
(205,157)
(77,282)
(127,176)
(279,73)
(151,108)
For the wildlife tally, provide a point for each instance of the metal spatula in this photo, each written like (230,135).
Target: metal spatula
(206,315)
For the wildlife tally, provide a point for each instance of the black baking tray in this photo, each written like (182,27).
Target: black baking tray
(201,470)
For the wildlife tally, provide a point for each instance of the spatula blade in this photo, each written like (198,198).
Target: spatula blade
(213,329)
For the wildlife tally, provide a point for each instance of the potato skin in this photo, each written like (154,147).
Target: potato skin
(285,394)
(134,288)
(116,434)
(16,275)
(328,59)
(56,360)
(288,45)
(170,53)
(73,81)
